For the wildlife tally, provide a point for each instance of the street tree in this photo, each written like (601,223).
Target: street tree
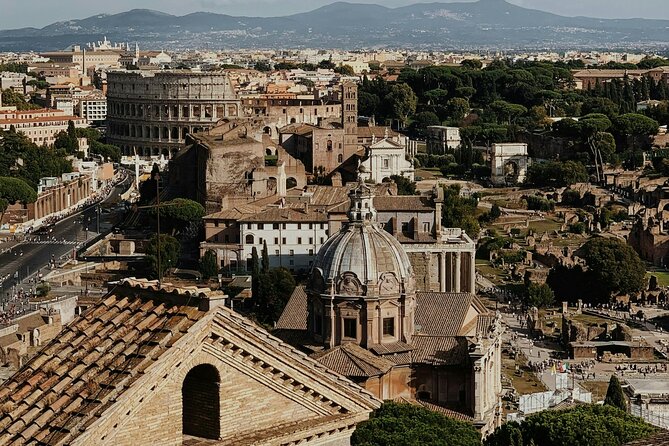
(539,295)
(170,250)
(12,191)
(179,213)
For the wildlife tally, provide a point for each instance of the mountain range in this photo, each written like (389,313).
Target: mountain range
(485,24)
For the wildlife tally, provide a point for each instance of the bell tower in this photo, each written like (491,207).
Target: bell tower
(349,117)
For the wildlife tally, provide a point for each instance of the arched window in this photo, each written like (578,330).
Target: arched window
(340,158)
(200,399)
(329,144)
(249,239)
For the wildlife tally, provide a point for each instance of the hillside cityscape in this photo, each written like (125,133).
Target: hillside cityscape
(357,225)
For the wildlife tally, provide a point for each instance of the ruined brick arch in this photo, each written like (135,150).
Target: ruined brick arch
(200,401)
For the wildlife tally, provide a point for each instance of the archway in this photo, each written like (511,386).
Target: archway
(291,183)
(511,171)
(201,404)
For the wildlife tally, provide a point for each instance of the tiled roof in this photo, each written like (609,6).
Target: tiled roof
(284,215)
(353,361)
(403,203)
(441,314)
(294,315)
(96,358)
(439,350)
(387,349)
(450,413)
(80,375)
(378,131)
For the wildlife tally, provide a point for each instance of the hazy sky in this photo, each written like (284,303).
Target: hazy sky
(38,13)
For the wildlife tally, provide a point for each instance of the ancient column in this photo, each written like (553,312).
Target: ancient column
(442,272)
(458,271)
(472,271)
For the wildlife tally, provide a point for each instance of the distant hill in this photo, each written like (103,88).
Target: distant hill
(486,24)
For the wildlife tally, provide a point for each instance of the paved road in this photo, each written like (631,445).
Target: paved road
(34,255)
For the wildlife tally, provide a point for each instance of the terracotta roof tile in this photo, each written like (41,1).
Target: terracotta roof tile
(439,350)
(441,313)
(353,361)
(294,315)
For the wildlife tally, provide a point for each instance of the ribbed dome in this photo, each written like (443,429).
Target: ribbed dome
(367,251)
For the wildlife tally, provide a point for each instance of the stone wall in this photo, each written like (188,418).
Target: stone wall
(424,270)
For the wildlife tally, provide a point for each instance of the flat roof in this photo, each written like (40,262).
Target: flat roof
(649,386)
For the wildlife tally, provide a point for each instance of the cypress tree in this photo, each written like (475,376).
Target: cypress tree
(614,394)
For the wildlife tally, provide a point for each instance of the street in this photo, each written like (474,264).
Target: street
(27,259)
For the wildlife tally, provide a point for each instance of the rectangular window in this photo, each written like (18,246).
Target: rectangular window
(276,240)
(283,240)
(291,262)
(276,252)
(388,326)
(299,240)
(261,226)
(299,226)
(275,226)
(249,226)
(322,225)
(321,240)
(292,252)
(311,252)
(284,227)
(311,226)
(350,328)
(311,240)
(227,238)
(385,163)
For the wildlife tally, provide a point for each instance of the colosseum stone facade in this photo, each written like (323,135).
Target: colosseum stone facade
(150,113)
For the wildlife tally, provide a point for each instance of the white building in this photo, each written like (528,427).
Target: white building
(293,236)
(40,126)
(385,158)
(93,108)
(440,139)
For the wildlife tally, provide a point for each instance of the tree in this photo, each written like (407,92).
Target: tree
(170,250)
(326,64)
(180,213)
(273,291)
(614,394)
(404,185)
(587,425)
(458,212)
(613,267)
(635,126)
(407,424)
(422,121)
(601,105)
(368,103)
(457,108)
(556,174)
(12,98)
(12,191)
(262,66)
(345,70)
(402,102)
(265,258)
(209,264)
(539,295)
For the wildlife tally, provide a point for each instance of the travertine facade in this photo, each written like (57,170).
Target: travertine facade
(150,113)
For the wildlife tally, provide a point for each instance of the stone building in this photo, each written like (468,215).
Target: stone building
(361,315)
(385,158)
(509,163)
(40,126)
(227,164)
(168,366)
(150,113)
(441,139)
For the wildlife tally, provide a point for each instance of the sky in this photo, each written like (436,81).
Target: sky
(39,13)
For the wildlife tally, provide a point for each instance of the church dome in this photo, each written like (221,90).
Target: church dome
(362,257)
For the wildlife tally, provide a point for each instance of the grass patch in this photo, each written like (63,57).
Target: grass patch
(547,225)
(525,384)
(662,277)
(597,388)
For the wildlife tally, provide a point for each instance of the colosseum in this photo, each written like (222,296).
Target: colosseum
(150,113)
